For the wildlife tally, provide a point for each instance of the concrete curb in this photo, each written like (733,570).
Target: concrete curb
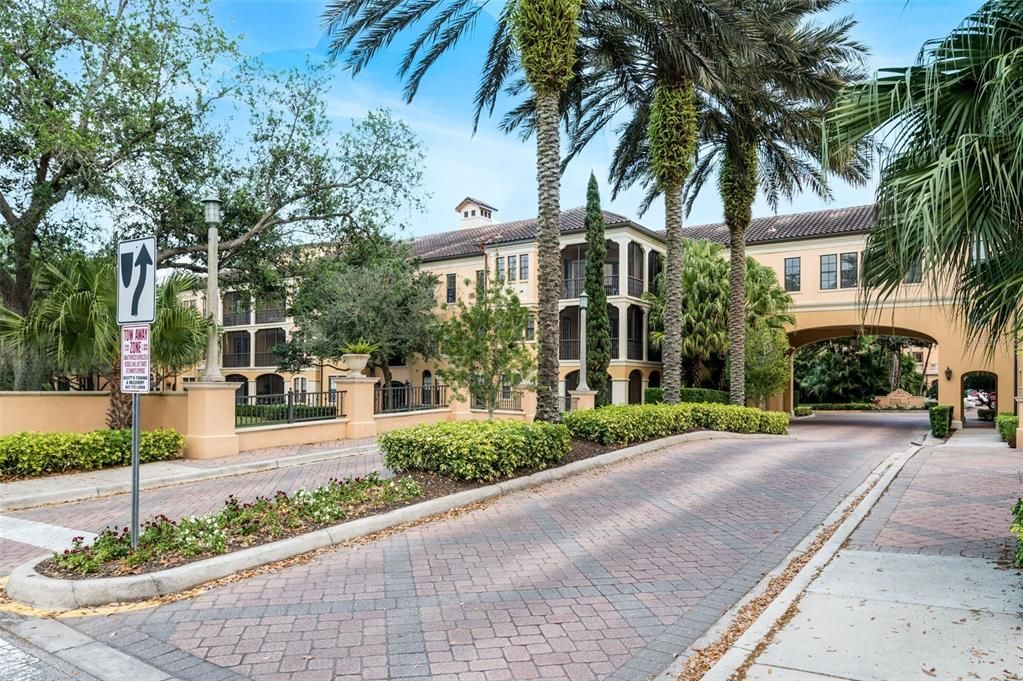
(27,586)
(84,652)
(84,492)
(730,662)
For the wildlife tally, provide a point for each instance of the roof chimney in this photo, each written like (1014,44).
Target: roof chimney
(474,213)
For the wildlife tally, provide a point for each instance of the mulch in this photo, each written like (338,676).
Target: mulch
(433,485)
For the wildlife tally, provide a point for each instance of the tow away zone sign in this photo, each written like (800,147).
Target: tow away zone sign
(135,358)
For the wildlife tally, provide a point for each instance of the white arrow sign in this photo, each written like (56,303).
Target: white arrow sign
(136,281)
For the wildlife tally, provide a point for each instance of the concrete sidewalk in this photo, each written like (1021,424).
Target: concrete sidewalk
(923,589)
(51,489)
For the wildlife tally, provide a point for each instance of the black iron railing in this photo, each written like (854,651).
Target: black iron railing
(571,288)
(236,318)
(267,410)
(634,348)
(236,359)
(270,315)
(512,402)
(569,348)
(611,284)
(401,398)
(267,359)
(614,347)
(636,286)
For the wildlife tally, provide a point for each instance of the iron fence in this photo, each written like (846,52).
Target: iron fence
(567,403)
(635,286)
(569,348)
(236,318)
(394,399)
(236,359)
(294,407)
(507,401)
(270,315)
(634,348)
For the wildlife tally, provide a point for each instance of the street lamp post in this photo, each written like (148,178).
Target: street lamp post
(211,208)
(584,301)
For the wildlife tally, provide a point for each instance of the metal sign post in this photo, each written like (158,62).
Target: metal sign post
(136,309)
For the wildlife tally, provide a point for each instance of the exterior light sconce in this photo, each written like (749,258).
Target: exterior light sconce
(948,373)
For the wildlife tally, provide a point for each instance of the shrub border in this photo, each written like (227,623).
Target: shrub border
(47,593)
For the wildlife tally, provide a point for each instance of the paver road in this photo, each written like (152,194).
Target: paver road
(604,575)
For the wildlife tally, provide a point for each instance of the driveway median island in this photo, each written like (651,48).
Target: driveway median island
(440,468)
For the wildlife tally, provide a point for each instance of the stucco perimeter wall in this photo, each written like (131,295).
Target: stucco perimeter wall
(165,410)
(927,321)
(50,412)
(291,434)
(388,422)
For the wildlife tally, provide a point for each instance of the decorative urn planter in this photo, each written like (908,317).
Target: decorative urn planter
(355,362)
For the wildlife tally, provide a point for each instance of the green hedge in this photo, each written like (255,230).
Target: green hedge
(279,412)
(941,420)
(1017,529)
(843,406)
(804,411)
(1007,425)
(985,414)
(481,451)
(622,425)
(28,454)
(656,395)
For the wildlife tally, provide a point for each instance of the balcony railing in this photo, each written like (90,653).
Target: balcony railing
(614,347)
(569,348)
(236,318)
(270,315)
(653,354)
(236,359)
(267,359)
(511,403)
(571,288)
(402,398)
(634,348)
(636,286)
(611,284)
(265,410)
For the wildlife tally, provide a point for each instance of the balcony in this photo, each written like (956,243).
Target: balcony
(635,286)
(236,318)
(267,359)
(614,345)
(634,348)
(571,288)
(611,284)
(569,348)
(270,315)
(234,360)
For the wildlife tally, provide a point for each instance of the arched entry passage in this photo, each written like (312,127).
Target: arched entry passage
(243,388)
(635,386)
(978,390)
(270,384)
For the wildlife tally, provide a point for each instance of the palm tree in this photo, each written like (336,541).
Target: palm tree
(766,134)
(74,324)
(541,36)
(951,187)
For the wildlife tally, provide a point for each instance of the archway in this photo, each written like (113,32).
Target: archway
(243,388)
(572,382)
(979,398)
(654,380)
(270,384)
(635,387)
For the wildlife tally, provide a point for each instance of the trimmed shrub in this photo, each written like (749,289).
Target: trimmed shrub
(985,414)
(29,454)
(1007,425)
(623,425)
(844,406)
(478,451)
(804,411)
(1017,529)
(941,420)
(656,395)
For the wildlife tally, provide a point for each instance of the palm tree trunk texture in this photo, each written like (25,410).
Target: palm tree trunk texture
(119,409)
(737,316)
(671,347)
(548,152)
(923,370)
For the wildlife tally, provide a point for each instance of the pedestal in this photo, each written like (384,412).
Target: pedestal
(358,404)
(584,399)
(210,432)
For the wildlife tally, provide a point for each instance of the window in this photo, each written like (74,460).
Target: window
(523,267)
(481,279)
(465,214)
(473,212)
(915,273)
(530,329)
(506,391)
(918,356)
(849,270)
(500,268)
(792,274)
(829,271)
(332,384)
(511,268)
(299,385)
(451,288)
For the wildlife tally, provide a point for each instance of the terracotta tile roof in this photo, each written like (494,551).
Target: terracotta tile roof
(819,223)
(464,242)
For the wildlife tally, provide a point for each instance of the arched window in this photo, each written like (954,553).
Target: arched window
(270,384)
(243,386)
(428,391)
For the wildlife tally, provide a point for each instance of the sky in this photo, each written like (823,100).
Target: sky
(500,168)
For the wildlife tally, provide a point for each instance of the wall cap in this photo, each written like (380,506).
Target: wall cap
(288,426)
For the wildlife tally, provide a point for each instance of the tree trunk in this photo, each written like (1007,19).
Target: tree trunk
(548,161)
(923,370)
(895,376)
(20,299)
(671,347)
(119,409)
(737,315)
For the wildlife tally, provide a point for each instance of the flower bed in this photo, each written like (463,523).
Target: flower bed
(32,454)
(164,542)
(622,425)
(479,451)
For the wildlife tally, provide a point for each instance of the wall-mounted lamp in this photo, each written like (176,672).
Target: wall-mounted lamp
(948,373)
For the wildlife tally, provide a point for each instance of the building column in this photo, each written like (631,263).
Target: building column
(642,270)
(623,332)
(619,391)
(646,335)
(623,266)
(210,432)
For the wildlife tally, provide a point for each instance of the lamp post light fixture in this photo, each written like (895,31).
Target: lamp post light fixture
(948,373)
(584,301)
(211,211)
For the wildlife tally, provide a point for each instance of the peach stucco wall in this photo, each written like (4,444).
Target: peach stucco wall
(291,434)
(49,412)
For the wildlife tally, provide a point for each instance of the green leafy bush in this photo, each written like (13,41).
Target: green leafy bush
(844,406)
(656,395)
(622,425)
(804,411)
(941,420)
(29,454)
(1007,424)
(985,414)
(255,414)
(479,451)
(1017,529)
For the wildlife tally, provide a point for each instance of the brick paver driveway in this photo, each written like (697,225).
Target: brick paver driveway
(602,575)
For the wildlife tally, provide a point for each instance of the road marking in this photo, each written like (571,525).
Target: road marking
(43,535)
